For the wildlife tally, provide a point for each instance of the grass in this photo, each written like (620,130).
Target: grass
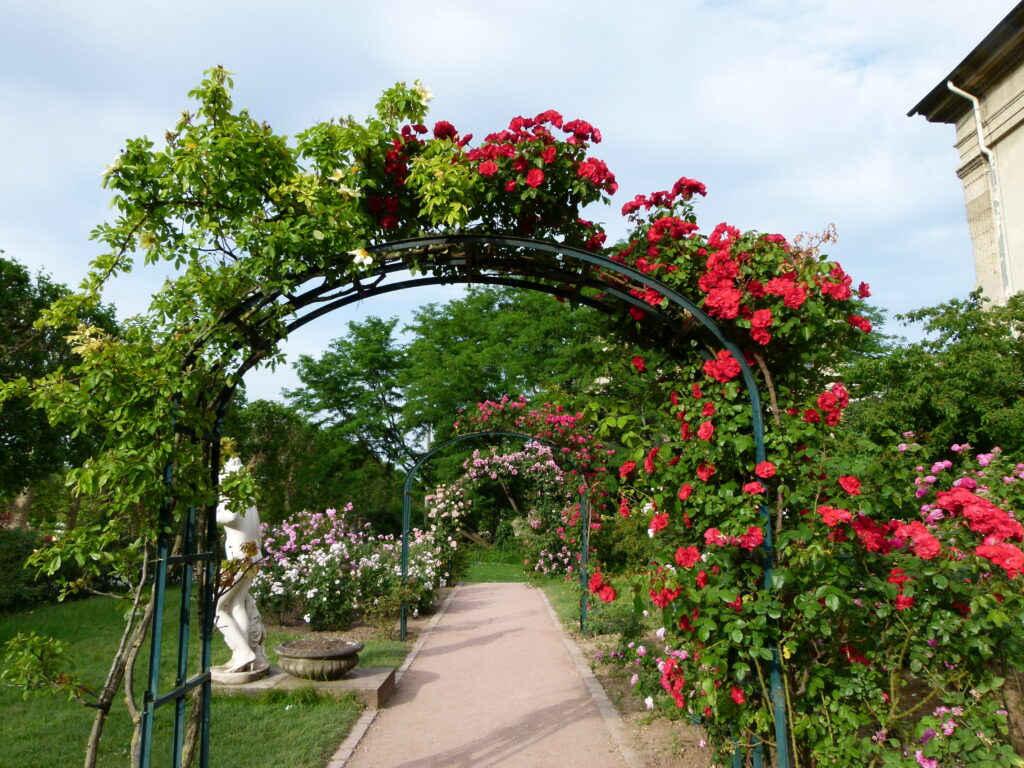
(295,729)
(493,565)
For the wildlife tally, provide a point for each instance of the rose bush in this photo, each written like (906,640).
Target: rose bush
(324,568)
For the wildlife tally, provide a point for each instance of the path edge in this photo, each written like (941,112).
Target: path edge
(612,718)
(348,746)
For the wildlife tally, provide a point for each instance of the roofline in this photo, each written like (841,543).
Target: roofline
(1000,51)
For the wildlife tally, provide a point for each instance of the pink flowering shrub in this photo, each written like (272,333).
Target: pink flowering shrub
(546,520)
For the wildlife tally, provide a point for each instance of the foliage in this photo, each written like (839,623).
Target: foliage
(354,386)
(539,505)
(961,384)
(20,588)
(493,343)
(322,568)
(298,464)
(32,447)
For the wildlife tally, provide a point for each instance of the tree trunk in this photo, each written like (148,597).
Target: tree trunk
(76,505)
(21,508)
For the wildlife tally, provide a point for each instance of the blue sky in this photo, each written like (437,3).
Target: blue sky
(793,112)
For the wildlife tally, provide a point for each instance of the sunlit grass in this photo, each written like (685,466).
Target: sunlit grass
(294,729)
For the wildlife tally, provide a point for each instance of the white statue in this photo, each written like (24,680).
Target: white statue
(237,617)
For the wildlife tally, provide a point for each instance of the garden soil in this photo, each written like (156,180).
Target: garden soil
(494,684)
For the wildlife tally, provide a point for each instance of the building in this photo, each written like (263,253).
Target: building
(984,98)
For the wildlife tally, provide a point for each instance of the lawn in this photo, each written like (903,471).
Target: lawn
(297,729)
(493,565)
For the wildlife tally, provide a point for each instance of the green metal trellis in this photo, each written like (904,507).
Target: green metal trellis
(536,265)
(407,515)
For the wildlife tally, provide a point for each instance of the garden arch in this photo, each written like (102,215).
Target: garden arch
(572,273)
(407,514)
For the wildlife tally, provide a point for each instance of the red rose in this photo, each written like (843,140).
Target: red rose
(488,168)
(624,508)
(706,430)
(445,130)
(705,471)
(626,469)
(859,323)
(687,557)
(659,522)
(736,694)
(510,185)
(607,593)
(684,491)
(754,487)
(850,484)
(702,579)
(754,537)
(638,363)
(764,470)
(762,318)
(534,177)
(833,517)
(903,602)
(548,155)
(724,368)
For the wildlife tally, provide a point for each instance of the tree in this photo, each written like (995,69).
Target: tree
(298,464)
(494,343)
(964,383)
(32,448)
(354,388)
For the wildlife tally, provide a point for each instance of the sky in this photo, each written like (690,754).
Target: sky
(792,112)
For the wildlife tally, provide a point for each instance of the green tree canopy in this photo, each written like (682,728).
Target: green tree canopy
(30,447)
(964,383)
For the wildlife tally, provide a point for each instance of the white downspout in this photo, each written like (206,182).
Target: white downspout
(997,209)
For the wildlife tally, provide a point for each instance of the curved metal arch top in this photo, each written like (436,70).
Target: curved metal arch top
(407,514)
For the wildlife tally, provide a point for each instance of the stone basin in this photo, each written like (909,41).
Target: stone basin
(319,658)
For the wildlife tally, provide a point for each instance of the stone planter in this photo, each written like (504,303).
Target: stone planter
(319,658)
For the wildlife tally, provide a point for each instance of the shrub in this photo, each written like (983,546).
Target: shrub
(20,588)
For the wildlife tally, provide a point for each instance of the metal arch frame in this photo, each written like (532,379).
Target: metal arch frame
(407,515)
(420,254)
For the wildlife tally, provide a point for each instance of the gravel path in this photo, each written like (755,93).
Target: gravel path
(493,685)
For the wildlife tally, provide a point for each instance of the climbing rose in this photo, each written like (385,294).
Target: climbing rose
(687,557)
(860,323)
(534,177)
(706,430)
(659,522)
(445,130)
(705,471)
(764,470)
(754,537)
(736,694)
(626,469)
(684,491)
(754,487)
(1006,556)
(724,368)
(638,363)
(488,168)
(714,537)
(903,602)
(607,593)
(850,484)
(832,517)
(624,508)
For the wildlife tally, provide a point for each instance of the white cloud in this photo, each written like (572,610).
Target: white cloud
(792,112)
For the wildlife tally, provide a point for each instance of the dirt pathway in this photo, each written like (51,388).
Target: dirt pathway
(492,685)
